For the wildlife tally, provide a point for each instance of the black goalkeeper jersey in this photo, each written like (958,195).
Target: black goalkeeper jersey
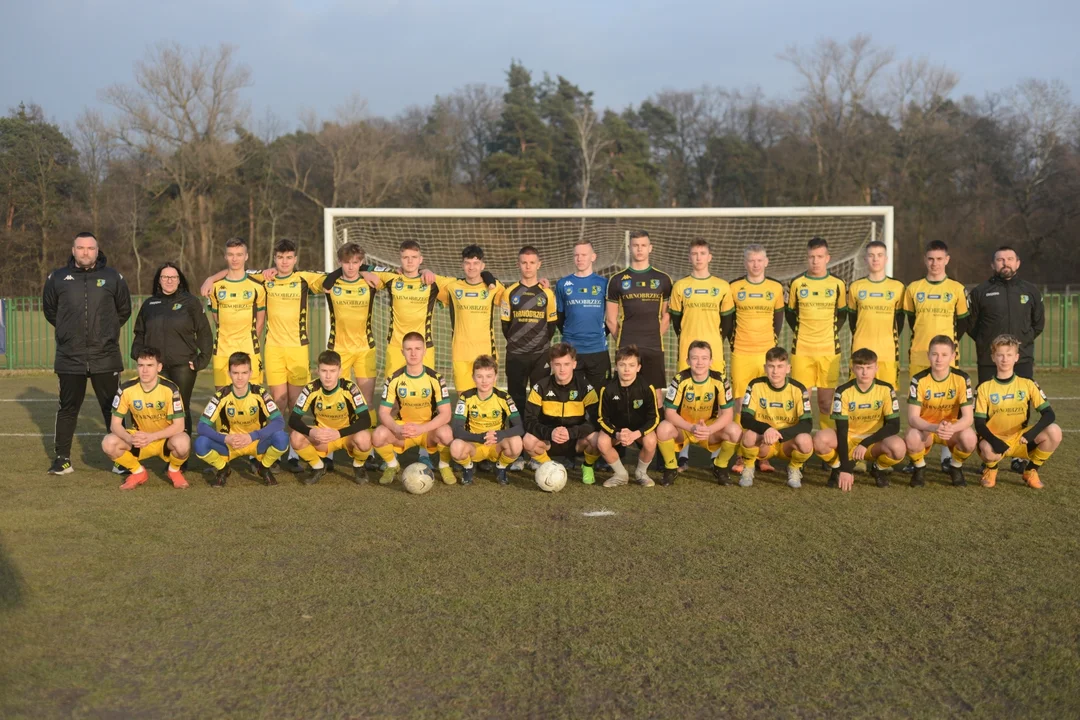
(529,318)
(641,295)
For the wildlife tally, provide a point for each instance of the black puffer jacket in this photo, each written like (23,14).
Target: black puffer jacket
(1000,306)
(177,326)
(87,308)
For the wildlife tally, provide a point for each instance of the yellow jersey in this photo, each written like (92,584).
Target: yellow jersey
(412,302)
(287,306)
(1006,405)
(482,415)
(755,308)
(816,307)
(778,408)
(700,303)
(865,411)
(230,413)
(472,316)
(940,400)
(335,409)
(933,308)
(417,397)
(148,410)
(696,400)
(351,304)
(875,307)
(235,304)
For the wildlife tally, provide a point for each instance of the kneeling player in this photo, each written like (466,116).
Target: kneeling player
(697,408)
(241,420)
(341,420)
(628,416)
(940,413)
(486,424)
(867,416)
(776,420)
(155,409)
(422,419)
(560,413)
(1002,407)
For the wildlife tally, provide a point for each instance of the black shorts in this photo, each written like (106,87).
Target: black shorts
(566,449)
(595,367)
(653,370)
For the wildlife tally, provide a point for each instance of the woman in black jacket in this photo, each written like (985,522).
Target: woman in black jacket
(174,321)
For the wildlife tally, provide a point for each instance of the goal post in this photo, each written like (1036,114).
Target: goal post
(442,233)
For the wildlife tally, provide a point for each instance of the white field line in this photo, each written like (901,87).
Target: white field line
(598,513)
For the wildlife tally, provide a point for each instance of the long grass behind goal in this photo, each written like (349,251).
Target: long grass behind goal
(443,233)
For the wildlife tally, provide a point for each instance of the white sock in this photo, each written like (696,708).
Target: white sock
(618,468)
(317,466)
(946,454)
(642,468)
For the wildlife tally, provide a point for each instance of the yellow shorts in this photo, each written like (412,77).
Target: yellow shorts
(886,372)
(221,367)
(820,371)
(687,437)
(1017,446)
(395,360)
(745,368)
(481,452)
(287,365)
(418,441)
(774,450)
(361,363)
(339,444)
(155,449)
(249,450)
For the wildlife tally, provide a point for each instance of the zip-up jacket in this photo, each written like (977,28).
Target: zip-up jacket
(551,405)
(1005,306)
(177,326)
(628,408)
(87,308)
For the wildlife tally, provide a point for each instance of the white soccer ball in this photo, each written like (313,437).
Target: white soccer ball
(551,476)
(418,478)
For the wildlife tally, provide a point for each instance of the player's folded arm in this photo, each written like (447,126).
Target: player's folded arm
(805,425)
(516,429)
(982,429)
(889,428)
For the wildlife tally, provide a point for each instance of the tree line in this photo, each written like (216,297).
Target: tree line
(173,164)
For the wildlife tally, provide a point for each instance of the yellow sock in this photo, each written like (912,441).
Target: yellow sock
(128,462)
(749,454)
(271,456)
(798,459)
(918,458)
(830,458)
(504,460)
(359,456)
(1037,456)
(214,459)
(884,461)
(667,451)
(175,463)
(727,449)
(386,452)
(824,421)
(309,455)
(542,458)
(960,456)
(444,456)
(590,459)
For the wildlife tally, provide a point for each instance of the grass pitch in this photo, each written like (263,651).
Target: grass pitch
(691,601)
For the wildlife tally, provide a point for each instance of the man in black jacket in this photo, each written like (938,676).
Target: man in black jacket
(87,302)
(1005,305)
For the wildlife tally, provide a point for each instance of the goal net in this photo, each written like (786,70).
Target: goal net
(443,233)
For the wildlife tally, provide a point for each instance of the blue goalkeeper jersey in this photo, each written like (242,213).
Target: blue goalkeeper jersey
(580,300)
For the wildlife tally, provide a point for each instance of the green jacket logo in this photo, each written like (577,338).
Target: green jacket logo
(100,283)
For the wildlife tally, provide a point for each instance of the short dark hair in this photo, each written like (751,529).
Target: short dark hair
(937,245)
(350,250)
(412,336)
(472,252)
(562,349)
(284,245)
(329,357)
(776,353)
(239,358)
(942,340)
(409,245)
(817,242)
(863,356)
(529,250)
(699,242)
(236,242)
(182,285)
(485,362)
(634,235)
(630,351)
(148,351)
(86,234)
(1007,248)
(698,345)
(877,244)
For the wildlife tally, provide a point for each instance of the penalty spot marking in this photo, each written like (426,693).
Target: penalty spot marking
(598,513)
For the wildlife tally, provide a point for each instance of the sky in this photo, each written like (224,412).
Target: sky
(401,53)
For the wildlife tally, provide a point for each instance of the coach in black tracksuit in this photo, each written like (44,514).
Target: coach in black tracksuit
(1005,304)
(87,302)
(174,321)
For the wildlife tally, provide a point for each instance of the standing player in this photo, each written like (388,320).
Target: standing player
(241,420)
(486,424)
(702,307)
(627,416)
(580,302)
(422,401)
(341,421)
(867,416)
(153,405)
(817,301)
(350,302)
(472,314)
(637,310)
(777,420)
(529,316)
(1002,409)
(696,410)
(876,313)
(560,413)
(935,305)
(939,412)
(412,301)
(239,307)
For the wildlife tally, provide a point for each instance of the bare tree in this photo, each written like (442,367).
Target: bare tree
(590,143)
(94,140)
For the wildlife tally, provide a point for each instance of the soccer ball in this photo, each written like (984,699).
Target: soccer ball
(418,478)
(551,476)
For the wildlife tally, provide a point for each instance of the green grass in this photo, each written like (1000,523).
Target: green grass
(691,601)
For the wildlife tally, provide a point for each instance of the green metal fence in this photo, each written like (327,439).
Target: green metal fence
(30,340)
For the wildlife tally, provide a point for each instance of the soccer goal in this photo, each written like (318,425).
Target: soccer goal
(443,233)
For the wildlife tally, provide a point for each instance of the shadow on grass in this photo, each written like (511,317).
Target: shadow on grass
(11,593)
(46,423)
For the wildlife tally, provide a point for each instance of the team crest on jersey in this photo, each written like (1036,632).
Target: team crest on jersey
(994,398)
(474,413)
(927,394)
(425,392)
(270,284)
(573,394)
(948,297)
(177,306)
(399,284)
(862,294)
(423,286)
(890,295)
(336,290)
(687,292)
(851,407)
(515,300)
(708,396)
(568,288)
(460,409)
(804,292)
(496,413)
(402,391)
(764,403)
(654,284)
(689,396)
(829,292)
(877,404)
(626,284)
(769,295)
(951,393)
(637,404)
(221,294)
(1024,299)
(458,294)
(230,411)
(247,294)
(541,301)
(595,289)
(919,297)
(1020,395)
(741,295)
(483,294)
(789,405)
(137,404)
(101,283)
